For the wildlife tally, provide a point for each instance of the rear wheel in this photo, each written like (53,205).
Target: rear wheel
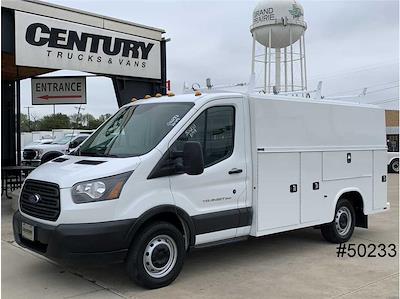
(394,166)
(341,228)
(156,256)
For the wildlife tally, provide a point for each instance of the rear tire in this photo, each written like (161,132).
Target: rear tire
(394,166)
(341,228)
(156,256)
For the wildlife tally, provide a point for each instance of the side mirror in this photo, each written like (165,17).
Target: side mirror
(193,158)
(73,144)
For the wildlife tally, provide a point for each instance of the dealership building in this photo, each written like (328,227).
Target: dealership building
(39,38)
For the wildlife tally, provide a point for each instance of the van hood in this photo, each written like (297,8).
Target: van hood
(48,146)
(68,170)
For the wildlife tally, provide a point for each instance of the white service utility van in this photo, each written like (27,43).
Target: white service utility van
(170,173)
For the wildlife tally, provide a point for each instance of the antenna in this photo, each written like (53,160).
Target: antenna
(208,83)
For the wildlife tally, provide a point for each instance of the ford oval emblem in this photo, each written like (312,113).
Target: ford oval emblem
(34,198)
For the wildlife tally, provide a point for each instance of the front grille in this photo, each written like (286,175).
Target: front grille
(47,207)
(29,154)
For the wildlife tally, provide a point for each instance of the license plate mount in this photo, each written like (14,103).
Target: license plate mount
(28,231)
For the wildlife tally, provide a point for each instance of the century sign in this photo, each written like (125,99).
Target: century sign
(49,43)
(58,90)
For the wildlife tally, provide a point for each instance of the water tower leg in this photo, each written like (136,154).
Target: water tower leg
(285,65)
(253,54)
(291,56)
(278,69)
(305,64)
(265,68)
(301,64)
(269,59)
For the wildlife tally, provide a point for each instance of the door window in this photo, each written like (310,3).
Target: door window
(214,129)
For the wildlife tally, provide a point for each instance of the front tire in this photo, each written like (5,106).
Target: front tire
(156,256)
(394,166)
(341,228)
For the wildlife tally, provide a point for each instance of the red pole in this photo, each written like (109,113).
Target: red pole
(169,85)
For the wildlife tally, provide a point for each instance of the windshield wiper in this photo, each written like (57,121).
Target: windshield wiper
(89,154)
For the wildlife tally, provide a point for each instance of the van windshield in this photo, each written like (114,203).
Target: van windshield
(63,140)
(134,130)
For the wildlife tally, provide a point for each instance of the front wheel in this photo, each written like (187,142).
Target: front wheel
(156,256)
(341,228)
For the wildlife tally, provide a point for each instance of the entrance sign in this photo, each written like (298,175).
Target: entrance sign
(55,44)
(58,90)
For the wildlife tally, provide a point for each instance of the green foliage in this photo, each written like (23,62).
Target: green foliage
(25,124)
(55,121)
(61,121)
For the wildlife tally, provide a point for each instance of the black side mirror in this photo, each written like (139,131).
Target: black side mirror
(193,158)
(73,144)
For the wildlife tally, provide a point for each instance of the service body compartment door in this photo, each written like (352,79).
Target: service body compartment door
(278,203)
(311,201)
(380,185)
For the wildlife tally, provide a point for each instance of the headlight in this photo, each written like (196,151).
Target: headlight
(99,189)
(39,153)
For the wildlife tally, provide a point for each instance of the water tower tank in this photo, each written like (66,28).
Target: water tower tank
(284,19)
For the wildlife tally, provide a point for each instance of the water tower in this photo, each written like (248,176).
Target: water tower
(279,27)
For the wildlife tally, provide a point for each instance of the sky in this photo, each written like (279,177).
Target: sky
(349,45)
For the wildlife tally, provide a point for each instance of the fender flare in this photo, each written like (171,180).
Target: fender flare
(343,191)
(51,153)
(392,159)
(180,213)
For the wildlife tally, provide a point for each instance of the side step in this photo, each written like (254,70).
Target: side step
(221,242)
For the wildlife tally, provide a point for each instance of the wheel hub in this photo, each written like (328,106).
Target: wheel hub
(396,166)
(160,256)
(343,221)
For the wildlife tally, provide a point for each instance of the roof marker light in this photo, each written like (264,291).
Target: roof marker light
(147,96)
(171,94)
(158,95)
(133,99)
(197,93)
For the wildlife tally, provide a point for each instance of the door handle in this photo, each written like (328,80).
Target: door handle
(235,170)
(293,188)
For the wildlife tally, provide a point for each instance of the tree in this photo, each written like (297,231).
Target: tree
(57,121)
(94,123)
(104,117)
(25,123)
(61,121)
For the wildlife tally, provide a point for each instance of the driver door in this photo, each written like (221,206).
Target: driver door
(213,197)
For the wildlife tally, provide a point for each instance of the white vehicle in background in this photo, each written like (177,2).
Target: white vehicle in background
(44,140)
(47,139)
(393,162)
(44,150)
(167,174)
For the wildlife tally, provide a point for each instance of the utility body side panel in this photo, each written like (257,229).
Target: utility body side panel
(347,164)
(278,205)
(307,154)
(379,186)
(312,199)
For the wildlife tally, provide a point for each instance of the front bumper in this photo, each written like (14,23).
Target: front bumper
(104,242)
(33,162)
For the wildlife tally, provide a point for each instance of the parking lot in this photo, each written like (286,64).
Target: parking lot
(297,264)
